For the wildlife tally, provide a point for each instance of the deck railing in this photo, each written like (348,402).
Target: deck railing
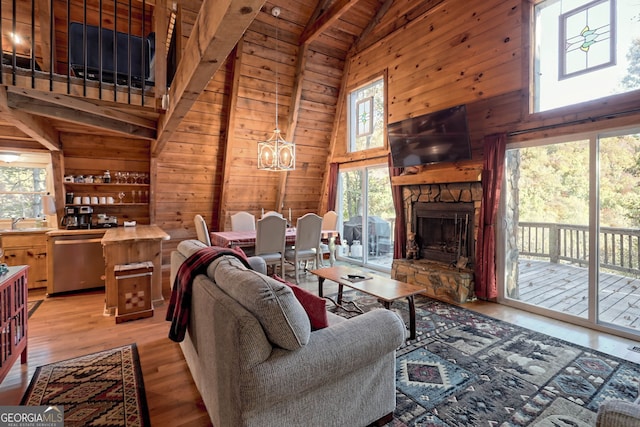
(619,247)
(105,48)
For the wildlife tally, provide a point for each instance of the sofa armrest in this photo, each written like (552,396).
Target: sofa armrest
(331,352)
(618,413)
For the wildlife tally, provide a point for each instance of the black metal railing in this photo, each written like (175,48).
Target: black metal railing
(619,247)
(86,43)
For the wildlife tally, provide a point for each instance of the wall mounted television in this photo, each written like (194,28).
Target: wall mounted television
(442,136)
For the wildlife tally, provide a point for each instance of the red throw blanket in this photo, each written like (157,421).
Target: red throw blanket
(180,303)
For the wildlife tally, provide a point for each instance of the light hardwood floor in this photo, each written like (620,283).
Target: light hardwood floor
(70,326)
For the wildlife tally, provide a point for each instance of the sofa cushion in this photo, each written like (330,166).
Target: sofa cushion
(315,306)
(281,315)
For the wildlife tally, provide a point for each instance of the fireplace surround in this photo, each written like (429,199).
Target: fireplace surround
(445,219)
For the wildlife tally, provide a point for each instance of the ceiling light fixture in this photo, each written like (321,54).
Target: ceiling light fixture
(276,153)
(9,157)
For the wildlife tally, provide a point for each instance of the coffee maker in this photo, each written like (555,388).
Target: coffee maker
(84,217)
(70,218)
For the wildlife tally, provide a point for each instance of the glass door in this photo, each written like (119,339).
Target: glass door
(571,226)
(366,216)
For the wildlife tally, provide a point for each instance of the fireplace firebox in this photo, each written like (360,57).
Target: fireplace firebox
(444,232)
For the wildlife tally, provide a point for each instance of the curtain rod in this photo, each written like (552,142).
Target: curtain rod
(574,122)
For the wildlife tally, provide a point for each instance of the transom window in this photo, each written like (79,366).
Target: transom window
(585,50)
(366,116)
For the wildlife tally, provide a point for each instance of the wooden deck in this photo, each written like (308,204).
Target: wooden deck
(564,288)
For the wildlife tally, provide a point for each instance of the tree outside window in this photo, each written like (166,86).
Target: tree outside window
(21,191)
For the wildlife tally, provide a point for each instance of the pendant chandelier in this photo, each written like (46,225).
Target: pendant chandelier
(276,153)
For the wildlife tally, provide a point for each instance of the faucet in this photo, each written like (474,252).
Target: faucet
(14,222)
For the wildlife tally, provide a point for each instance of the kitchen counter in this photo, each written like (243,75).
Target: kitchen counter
(29,230)
(137,233)
(79,233)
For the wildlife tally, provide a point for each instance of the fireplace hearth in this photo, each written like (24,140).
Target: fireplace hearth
(444,218)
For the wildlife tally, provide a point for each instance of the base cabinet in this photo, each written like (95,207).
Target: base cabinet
(27,249)
(13,318)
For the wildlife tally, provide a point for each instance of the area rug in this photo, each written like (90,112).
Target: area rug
(32,306)
(467,369)
(99,389)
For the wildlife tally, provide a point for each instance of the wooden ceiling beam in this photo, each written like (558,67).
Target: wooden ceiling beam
(54,110)
(36,127)
(84,105)
(325,20)
(218,27)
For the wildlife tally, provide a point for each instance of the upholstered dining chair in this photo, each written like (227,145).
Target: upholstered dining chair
(307,246)
(329,222)
(202,231)
(269,213)
(270,241)
(243,221)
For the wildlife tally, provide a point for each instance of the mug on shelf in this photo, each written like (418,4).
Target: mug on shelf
(94,200)
(86,200)
(77,200)
(103,200)
(109,200)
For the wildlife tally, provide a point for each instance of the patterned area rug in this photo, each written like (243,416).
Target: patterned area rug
(32,306)
(99,389)
(467,369)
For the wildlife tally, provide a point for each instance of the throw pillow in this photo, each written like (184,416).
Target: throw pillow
(283,319)
(312,304)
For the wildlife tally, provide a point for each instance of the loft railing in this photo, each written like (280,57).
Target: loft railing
(619,247)
(102,49)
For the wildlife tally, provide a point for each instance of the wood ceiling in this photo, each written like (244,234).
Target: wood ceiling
(324,32)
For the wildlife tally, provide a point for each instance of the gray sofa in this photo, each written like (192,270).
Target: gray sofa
(342,375)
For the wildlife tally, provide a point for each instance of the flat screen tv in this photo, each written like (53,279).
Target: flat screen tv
(442,136)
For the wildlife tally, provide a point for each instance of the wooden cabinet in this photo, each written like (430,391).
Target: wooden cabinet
(13,318)
(27,248)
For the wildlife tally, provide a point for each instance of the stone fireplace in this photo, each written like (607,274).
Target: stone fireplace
(444,218)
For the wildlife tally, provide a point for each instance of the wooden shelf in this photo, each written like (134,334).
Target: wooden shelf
(468,171)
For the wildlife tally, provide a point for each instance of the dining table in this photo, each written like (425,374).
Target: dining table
(247,239)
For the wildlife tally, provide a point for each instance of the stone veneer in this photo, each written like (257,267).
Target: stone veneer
(440,281)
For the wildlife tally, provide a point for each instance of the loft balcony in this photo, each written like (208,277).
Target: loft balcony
(96,49)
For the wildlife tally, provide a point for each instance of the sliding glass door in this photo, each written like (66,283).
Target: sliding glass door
(571,225)
(366,216)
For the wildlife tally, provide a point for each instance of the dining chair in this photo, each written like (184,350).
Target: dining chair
(269,213)
(270,241)
(329,222)
(202,231)
(243,221)
(307,245)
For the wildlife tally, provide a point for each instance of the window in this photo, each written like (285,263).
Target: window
(571,241)
(366,113)
(22,185)
(585,50)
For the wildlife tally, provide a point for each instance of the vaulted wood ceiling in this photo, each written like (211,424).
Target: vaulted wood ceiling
(323,31)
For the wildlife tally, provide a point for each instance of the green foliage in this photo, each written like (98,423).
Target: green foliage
(21,190)
(554,182)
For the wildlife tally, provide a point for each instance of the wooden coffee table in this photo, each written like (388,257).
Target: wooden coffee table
(386,290)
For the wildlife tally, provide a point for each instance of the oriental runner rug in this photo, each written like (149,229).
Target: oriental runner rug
(99,389)
(467,369)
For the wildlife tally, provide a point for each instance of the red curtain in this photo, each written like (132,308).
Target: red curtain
(400,233)
(485,274)
(333,186)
